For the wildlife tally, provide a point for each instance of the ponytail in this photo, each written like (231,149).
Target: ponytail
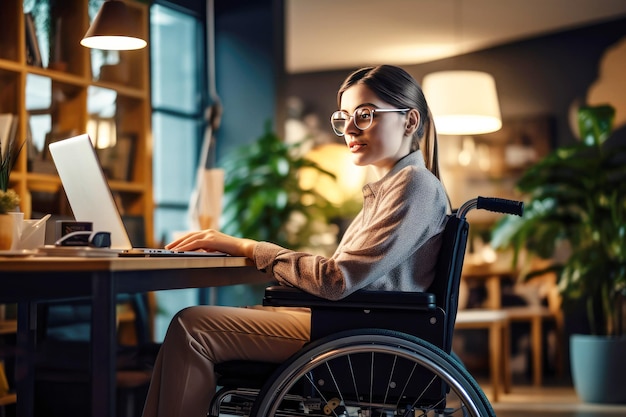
(429,146)
(430,150)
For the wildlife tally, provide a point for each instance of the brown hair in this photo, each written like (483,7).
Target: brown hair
(397,87)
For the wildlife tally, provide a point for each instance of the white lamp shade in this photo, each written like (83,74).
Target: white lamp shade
(463,102)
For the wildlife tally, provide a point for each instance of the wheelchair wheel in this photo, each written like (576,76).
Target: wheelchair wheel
(370,373)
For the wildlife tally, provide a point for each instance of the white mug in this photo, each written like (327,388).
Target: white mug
(18,220)
(33,234)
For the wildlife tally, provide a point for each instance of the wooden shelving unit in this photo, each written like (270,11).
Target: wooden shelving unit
(70,80)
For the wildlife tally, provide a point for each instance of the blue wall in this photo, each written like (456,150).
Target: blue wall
(245,72)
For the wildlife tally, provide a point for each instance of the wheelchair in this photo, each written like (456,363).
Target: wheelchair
(372,353)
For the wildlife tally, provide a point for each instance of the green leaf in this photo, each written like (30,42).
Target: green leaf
(595,124)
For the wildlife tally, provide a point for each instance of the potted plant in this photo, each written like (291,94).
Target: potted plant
(264,199)
(577,205)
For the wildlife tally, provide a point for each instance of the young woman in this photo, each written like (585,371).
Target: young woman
(392,244)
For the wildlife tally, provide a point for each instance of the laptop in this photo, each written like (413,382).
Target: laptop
(91,198)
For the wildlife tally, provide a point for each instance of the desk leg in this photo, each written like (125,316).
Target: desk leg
(506,357)
(24,366)
(495,357)
(103,345)
(536,348)
(494,293)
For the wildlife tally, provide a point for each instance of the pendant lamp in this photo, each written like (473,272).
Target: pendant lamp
(113,29)
(463,102)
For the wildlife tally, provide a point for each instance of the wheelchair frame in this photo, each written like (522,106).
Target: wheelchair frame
(408,335)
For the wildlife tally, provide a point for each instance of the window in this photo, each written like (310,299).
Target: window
(178,102)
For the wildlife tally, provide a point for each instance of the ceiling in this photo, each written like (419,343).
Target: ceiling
(336,34)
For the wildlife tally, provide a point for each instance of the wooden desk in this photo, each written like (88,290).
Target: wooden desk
(30,280)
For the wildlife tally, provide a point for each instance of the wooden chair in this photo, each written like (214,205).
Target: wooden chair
(543,306)
(496,322)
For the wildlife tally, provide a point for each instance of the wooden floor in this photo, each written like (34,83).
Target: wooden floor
(550,400)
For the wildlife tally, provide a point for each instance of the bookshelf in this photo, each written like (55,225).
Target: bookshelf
(66,90)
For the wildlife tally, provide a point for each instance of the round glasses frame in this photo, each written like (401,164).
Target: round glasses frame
(363,118)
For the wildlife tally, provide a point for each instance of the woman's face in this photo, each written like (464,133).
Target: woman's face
(384,142)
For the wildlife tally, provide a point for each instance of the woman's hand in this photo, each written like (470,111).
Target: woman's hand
(212,240)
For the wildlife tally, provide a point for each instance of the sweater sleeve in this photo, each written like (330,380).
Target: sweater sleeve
(399,216)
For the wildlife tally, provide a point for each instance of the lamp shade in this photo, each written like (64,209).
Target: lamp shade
(463,102)
(113,29)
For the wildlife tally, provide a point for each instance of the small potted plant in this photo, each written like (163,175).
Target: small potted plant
(577,206)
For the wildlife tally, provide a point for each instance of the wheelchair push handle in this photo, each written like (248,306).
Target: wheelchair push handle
(500,205)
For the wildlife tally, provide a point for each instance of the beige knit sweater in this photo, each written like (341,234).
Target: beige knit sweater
(392,244)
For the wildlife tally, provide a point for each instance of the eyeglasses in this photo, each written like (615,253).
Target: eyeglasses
(86,238)
(362,118)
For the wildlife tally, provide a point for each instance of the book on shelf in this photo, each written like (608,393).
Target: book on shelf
(33,53)
(5,128)
(8,133)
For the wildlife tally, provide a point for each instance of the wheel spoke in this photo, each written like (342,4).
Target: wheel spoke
(399,377)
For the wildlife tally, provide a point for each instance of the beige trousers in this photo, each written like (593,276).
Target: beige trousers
(183,380)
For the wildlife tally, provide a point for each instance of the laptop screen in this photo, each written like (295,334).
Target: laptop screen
(87,189)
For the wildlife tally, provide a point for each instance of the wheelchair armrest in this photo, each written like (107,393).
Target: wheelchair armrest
(282,296)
